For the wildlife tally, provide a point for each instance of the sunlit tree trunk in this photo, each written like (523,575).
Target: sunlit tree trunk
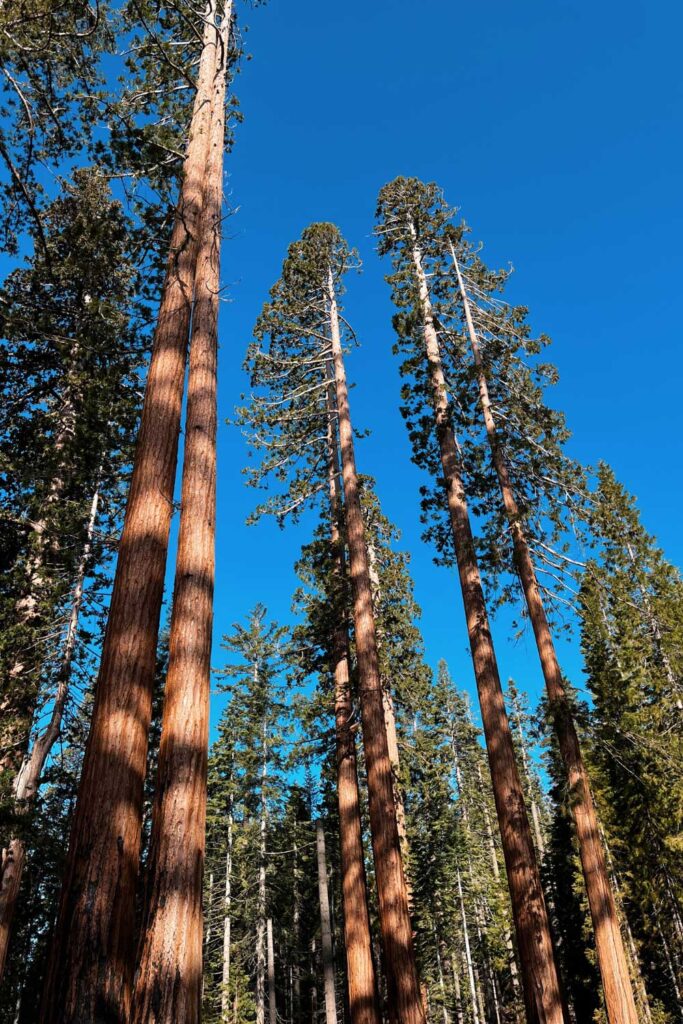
(90,969)
(325,928)
(542,992)
(272,1006)
(168,981)
(399,955)
(468,953)
(619,1001)
(360,971)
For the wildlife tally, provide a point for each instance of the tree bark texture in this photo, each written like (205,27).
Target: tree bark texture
(325,927)
(402,981)
(360,970)
(619,1000)
(541,984)
(168,982)
(90,969)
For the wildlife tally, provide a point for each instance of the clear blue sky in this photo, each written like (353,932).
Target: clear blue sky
(556,127)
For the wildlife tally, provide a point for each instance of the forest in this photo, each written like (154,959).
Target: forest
(311,818)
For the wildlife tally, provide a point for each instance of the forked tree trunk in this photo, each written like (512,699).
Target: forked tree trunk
(28,778)
(542,992)
(168,981)
(325,928)
(90,968)
(360,971)
(397,938)
(619,1001)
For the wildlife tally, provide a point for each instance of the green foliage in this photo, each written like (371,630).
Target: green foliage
(631,616)
(70,361)
(415,222)
(286,419)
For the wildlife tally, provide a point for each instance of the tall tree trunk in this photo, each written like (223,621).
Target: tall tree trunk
(392,735)
(619,1001)
(360,971)
(325,928)
(272,1005)
(459,1016)
(90,968)
(28,778)
(542,992)
(261,913)
(314,988)
(535,815)
(402,980)
(225,989)
(440,975)
(296,935)
(168,982)
(468,953)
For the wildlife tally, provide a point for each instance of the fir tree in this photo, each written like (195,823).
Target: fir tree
(411,218)
(289,422)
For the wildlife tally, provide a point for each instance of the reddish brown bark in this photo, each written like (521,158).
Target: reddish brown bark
(168,984)
(616,982)
(403,987)
(542,991)
(90,968)
(360,971)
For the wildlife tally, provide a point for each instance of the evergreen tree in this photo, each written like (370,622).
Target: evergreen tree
(85,933)
(410,218)
(289,421)
(71,357)
(631,604)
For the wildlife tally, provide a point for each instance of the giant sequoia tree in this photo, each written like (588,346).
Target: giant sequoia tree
(297,355)
(92,962)
(409,231)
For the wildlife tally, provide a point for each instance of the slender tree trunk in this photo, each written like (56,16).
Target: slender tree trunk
(90,968)
(439,970)
(468,953)
(16,717)
(28,778)
(272,1006)
(261,919)
(325,928)
(619,1001)
(314,988)
(459,1015)
(225,989)
(542,992)
(392,736)
(168,982)
(296,936)
(360,971)
(535,815)
(402,980)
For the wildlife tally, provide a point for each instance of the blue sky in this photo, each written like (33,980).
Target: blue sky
(556,128)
